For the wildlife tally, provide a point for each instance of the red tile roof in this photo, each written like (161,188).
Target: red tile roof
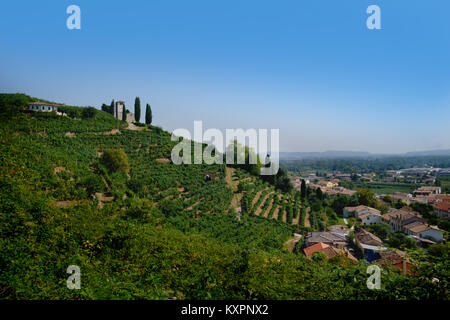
(315,248)
(444,206)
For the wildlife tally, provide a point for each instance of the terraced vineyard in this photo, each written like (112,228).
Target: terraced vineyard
(258,198)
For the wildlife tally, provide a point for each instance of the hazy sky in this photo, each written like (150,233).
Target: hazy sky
(310,68)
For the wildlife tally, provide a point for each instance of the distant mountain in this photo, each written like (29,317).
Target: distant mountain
(334,154)
(442,152)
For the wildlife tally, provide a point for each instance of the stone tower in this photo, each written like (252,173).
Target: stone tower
(119,109)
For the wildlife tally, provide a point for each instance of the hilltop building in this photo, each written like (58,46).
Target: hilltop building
(45,107)
(119,109)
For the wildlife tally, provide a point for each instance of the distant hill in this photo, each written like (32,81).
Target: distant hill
(357,154)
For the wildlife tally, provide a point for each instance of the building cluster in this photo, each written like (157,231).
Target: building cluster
(399,220)
(330,187)
(419,172)
(428,195)
(336,242)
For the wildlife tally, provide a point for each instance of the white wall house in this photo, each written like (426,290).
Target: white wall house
(370,218)
(44,107)
(358,211)
(422,230)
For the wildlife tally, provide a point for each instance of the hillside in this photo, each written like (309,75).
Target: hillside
(153,231)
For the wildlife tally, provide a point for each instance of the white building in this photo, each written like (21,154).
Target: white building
(370,218)
(422,230)
(358,211)
(45,107)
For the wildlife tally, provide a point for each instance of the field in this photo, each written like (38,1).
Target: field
(382,188)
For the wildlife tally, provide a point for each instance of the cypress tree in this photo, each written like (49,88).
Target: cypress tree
(148,115)
(137,109)
(303,189)
(111,108)
(124,114)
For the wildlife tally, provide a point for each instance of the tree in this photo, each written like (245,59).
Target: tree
(106,108)
(319,194)
(303,189)
(389,200)
(252,162)
(148,115)
(116,160)
(401,241)
(282,181)
(111,109)
(89,112)
(124,113)
(137,109)
(366,197)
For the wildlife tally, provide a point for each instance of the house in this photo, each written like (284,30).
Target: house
(423,230)
(370,218)
(329,238)
(397,258)
(339,190)
(318,247)
(386,218)
(328,251)
(400,218)
(426,191)
(327,184)
(369,244)
(442,209)
(357,211)
(400,196)
(364,236)
(338,229)
(45,107)
(343,176)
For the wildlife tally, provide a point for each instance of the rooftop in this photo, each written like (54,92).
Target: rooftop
(364,236)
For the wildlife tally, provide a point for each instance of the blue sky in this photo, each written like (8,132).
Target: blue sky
(310,68)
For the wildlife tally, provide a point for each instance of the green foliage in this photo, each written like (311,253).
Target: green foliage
(124,114)
(401,241)
(366,197)
(137,109)
(88,112)
(111,107)
(382,231)
(92,183)
(239,153)
(116,160)
(148,115)
(303,189)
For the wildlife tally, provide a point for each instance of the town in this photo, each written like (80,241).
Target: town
(369,232)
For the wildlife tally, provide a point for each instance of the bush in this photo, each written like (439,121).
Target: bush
(89,112)
(116,160)
(93,183)
(401,241)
